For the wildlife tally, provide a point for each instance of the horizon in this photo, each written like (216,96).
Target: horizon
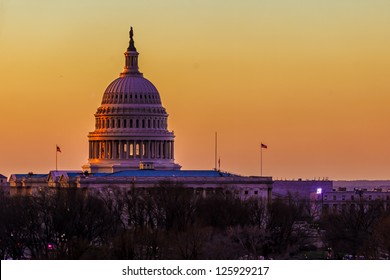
(309,81)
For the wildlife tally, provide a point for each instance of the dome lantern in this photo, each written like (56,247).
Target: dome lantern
(131,58)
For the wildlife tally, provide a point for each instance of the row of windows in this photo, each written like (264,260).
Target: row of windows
(107,110)
(136,98)
(353,197)
(102,123)
(352,207)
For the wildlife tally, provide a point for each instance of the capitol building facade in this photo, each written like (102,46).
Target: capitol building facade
(131,146)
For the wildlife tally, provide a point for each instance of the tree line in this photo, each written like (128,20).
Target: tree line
(173,222)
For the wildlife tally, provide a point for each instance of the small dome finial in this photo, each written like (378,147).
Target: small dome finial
(131,43)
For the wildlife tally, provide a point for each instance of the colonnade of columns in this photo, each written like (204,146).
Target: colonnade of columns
(131,149)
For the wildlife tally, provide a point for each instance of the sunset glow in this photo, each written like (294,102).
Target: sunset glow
(308,78)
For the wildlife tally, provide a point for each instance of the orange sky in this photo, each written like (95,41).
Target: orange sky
(309,78)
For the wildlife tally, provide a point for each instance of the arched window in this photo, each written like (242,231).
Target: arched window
(124,123)
(131,123)
(118,123)
(136,123)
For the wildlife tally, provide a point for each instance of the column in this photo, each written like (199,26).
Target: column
(127,149)
(170,149)
(95,149)
(114,150)
(147,149)
(105,149)
(161,149)
(173,149)
(120,149)
(134,144)
(141,149)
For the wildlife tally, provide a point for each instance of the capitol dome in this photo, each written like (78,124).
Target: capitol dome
(131,124)
(131,89)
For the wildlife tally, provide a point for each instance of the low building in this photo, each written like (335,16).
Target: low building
(300,189)
(202,182)
(351,194)
(3,181)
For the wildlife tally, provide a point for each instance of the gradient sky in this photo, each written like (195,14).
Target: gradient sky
(310,78)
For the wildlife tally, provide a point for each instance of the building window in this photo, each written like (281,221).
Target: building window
(352,197)
(131,123)
(136,123)
(143,123)
(256,192)
(124,123)
(343,197)
(246,192)
(131,147)
(113,123)
(119,123)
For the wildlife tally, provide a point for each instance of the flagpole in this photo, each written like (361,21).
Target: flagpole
(56,157)
(216,151)
(261,160)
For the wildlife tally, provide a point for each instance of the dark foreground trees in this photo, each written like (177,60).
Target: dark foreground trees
(164,223)
(358,231)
